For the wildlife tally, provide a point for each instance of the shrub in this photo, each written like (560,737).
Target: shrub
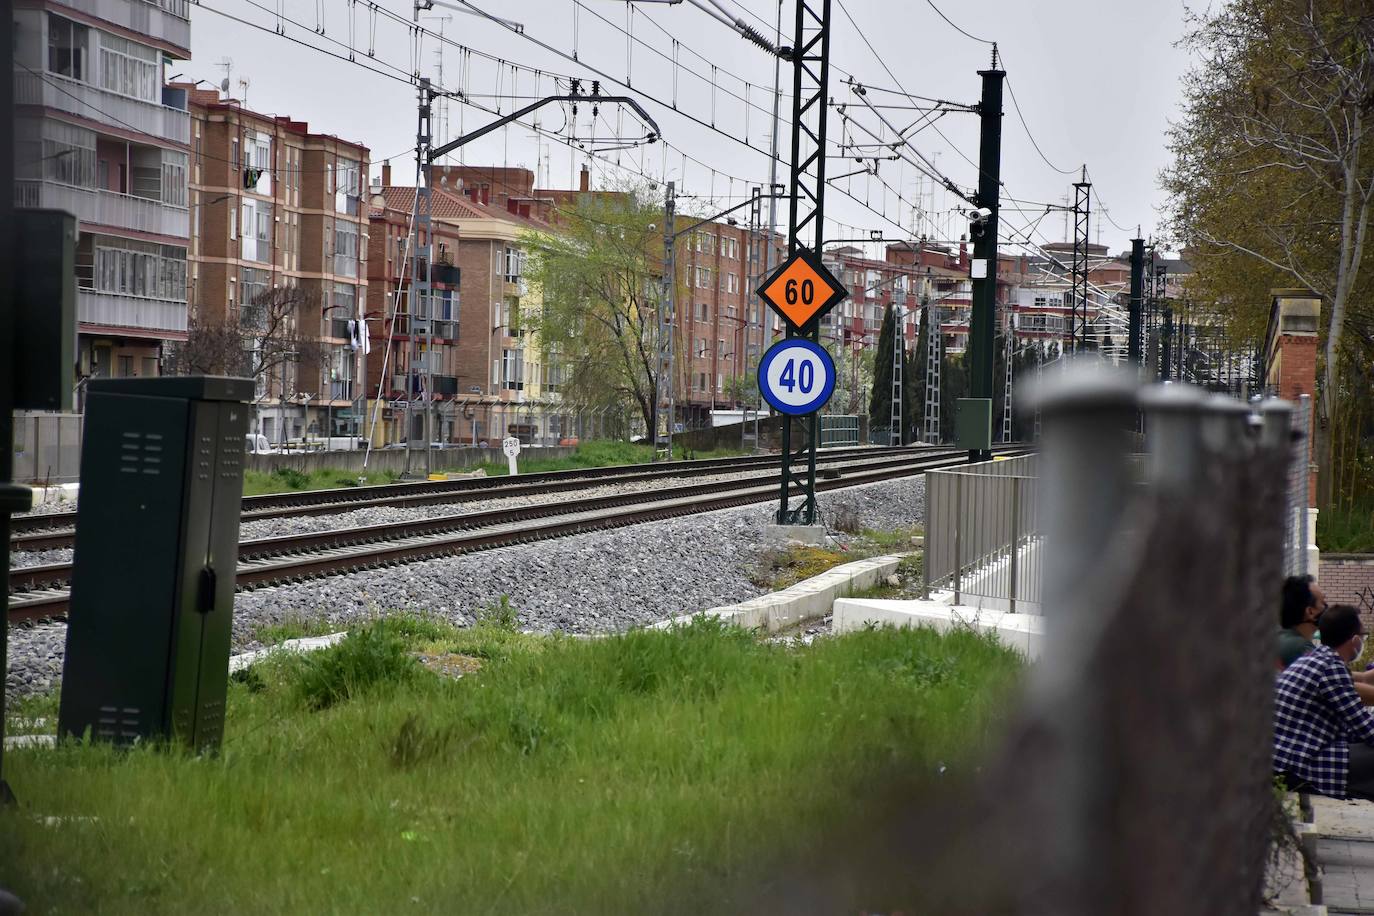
(293,478)
(367,658)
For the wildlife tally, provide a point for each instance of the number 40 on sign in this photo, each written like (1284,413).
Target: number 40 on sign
(796,376)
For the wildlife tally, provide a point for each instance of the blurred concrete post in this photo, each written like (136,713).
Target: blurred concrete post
(1086,416)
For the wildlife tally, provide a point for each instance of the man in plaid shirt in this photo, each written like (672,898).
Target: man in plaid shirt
(1323,734)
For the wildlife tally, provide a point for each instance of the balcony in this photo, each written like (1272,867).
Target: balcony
(105,208)
(168,20)
(94,104)
(158,317)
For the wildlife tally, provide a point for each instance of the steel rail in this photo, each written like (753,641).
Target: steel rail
(410,495)
(342,499)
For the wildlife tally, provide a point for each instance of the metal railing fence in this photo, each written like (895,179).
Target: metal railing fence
(47,448)
(982,535)
(839,430)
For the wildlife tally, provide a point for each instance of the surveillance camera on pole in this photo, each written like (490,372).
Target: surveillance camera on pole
(978,222)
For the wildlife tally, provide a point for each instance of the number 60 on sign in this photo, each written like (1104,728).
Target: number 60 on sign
(796,376)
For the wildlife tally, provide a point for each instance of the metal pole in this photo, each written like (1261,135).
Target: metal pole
(895,428)
(983,324)
(1078,332)
(667,318)
(1015,539)
(810,63)
(7,349)
(1137,287)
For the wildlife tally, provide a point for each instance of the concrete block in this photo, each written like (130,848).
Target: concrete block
(307,644)
(1023,632)
(781,535)
(810,599)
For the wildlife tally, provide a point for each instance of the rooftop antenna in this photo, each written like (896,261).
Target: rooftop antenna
(243,89)
(227,65)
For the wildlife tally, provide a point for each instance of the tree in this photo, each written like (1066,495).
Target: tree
(601,292)
(880,400)
(1273,174)
(271,331)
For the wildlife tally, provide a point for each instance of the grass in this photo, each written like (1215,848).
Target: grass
(1347,530)
(782,567)
(593,454)
(599,453)
(287,480)
(293,627)
(657,771)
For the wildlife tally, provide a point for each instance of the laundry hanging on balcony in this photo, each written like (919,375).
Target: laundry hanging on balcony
(357,336)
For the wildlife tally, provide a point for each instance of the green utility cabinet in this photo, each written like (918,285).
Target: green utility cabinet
(973,424)
(156,548)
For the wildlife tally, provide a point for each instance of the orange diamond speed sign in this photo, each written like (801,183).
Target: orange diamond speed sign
(802,289)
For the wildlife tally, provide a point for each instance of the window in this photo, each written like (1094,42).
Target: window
(129,68)
(510,316)
(443,304)
(515,265)
(705,278)
(344,301)
(348,175)
(732,283)
(345,249)
(257,154)
(254,283)
(174,178)
(136,268)
(720,382)
(60,152)
(701,381)
(149,369)
(729,247)
(720,348)
(513,370)
(703,312)
(255,221)
(67,47)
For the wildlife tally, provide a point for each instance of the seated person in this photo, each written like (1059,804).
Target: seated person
(1303,602)
(1323,734)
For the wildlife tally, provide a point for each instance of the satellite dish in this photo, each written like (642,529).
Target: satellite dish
(224,85)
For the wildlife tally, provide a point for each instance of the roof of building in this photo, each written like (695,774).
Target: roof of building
(446,205)
(209,99)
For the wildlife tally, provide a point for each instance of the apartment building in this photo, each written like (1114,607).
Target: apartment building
(280,217)
(98,133)
(490,378)
(722,327)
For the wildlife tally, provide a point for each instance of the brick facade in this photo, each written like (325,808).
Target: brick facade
(275,227)
(1349,579)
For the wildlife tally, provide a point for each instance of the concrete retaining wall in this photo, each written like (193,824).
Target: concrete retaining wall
(394,459)
(811,599)
(1022,632)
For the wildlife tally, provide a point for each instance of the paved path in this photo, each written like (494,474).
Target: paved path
(1344,847)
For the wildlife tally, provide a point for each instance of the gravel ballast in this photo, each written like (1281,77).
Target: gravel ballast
(598,582)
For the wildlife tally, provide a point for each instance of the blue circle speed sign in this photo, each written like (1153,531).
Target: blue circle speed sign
(796,376)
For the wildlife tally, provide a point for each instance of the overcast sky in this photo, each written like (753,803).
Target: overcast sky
(1097,82)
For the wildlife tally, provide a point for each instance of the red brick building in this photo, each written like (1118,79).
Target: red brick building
(278,206)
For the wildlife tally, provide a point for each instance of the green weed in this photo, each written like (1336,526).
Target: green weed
(656,771)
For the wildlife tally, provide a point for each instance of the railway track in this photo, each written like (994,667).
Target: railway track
(53,530)
(39,592)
